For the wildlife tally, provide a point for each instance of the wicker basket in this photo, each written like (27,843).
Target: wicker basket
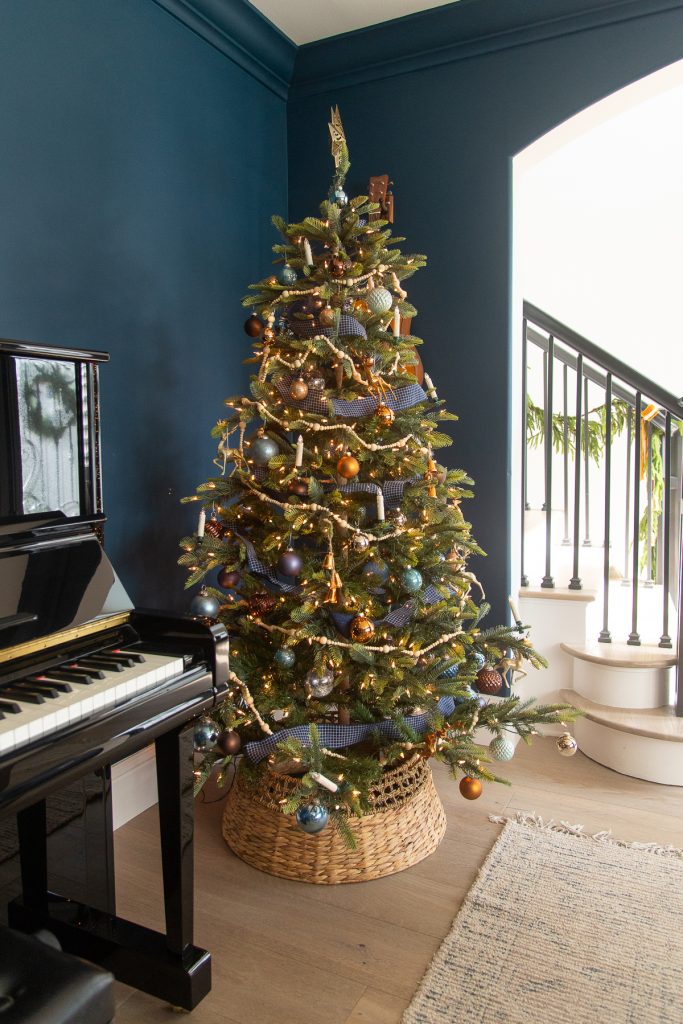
(408,824)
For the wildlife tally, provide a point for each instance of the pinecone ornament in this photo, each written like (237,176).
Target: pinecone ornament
(261,604)
(489,681)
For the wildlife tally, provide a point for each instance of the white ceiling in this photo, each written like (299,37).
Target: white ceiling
(304,21)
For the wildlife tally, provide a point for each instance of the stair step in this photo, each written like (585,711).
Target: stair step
(622,655)
(557,594)
(655,723)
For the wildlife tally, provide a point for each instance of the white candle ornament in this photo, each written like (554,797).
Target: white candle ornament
(299,458)
(308,255)
(397,322)
(380,507)
(323,781)
(201,523)
(431,390)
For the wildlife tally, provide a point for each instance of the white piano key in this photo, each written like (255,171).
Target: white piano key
(36,721)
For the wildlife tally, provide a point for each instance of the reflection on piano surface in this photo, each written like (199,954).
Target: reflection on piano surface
(86,680)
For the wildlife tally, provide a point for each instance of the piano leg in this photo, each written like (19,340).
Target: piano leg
(32,831)
(175,782)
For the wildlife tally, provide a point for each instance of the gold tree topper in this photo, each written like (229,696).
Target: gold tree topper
(340,152)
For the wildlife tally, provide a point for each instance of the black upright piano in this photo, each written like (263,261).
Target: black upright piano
(87,680)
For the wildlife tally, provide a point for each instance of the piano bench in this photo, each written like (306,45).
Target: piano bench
(41,985)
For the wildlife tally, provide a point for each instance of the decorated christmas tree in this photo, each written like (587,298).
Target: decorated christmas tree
(333,545)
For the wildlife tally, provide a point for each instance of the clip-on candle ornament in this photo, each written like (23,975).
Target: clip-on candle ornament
(397,322)
(431,390)
(299,454)
(201,524)
(308,255)
(380,507)
(323,781)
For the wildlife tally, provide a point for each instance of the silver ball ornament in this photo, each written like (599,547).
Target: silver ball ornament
(360,543)
(379,300)
(316,382)
(263,449)
(397,517)
(205,606)
(319,684)
(501,748)
(312,817)
(338,196)
(288,274)
(205,735)
(567,745)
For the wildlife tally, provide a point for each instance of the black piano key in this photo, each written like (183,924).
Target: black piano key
(101,663)
(133,655)
(8,707)
(49,681)
(119,659)
(42,688)
(74,675)
(24,696)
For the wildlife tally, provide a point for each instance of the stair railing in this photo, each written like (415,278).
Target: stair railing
(645,407)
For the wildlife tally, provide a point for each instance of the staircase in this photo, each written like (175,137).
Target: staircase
(601,549)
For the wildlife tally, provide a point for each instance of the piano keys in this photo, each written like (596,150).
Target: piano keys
(86,679)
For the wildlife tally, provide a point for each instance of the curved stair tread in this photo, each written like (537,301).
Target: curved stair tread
(622,655)
(656,723)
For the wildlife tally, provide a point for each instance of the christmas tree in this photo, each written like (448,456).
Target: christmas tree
(339,540)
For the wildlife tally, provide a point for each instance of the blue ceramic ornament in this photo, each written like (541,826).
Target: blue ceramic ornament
(450,673)
(204,605)
(378,300)
(312,817)
(284,657)
(501,748)
(469,694)
(411,580)
(478,659)
(205,735)
(375,572)
(338,196)
(263,449)
(287,274)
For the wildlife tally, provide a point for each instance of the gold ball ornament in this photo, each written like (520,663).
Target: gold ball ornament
(272,282)
(268,335)
(470,788)
(384,415)
(326,316)
(361,629)
(348,467)
(567,745)
(298,389)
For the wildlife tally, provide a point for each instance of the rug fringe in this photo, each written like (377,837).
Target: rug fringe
(535,821)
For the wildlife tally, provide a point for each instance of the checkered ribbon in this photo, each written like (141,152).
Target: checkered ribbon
(349,327)
(336,736)
(391,489)
(316,402)
(258,568)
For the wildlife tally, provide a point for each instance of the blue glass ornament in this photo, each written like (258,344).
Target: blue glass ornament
(411,580)
(287,274)
(263,449)
(501,748)
(284,657)
(376,572)
(205,735)
(478,659)
(338,196)
(379,300)
(312,817)
(204,605)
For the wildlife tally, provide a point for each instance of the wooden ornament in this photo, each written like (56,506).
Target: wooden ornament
(348,466)
(470,788)
(361,629)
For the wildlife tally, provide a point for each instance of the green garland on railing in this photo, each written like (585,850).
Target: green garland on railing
(595,438)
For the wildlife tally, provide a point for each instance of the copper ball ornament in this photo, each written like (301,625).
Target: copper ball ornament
(385,415)
(348,467)
(489,681)
(298,487)
(567,745)
(470,788)
(326,316)
(337,266)
(228,578)
(229,742)
(298,389)
(214,528)
(361,629)
(261,603)
(253,325)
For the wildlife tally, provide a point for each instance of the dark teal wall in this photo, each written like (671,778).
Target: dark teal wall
(447,134)
(139,170)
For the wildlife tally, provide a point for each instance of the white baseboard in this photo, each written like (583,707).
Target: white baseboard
(134,785)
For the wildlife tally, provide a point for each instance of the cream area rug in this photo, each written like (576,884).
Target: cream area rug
(563,927)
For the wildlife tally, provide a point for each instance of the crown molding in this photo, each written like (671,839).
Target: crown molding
(239,31)
(442,35)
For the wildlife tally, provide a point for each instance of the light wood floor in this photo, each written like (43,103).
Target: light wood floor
(290,953)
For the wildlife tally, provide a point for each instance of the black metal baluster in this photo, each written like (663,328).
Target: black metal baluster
(547,581)
(649,581)
(545,406)
(586,458)
(565,458)
(665,639)
(605,635)
(634,636)
(575,582)
(627,521)
(524,581)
